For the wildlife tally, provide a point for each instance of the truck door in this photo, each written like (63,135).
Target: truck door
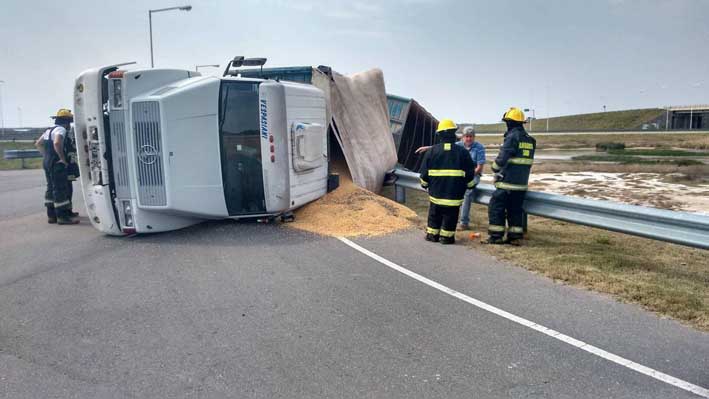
(242,172)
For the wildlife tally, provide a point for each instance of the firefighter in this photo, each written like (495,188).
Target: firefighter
(511,167)
(52,145)
(446,171)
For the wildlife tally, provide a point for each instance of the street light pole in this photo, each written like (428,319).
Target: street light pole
(150,23)
(2,117)
(691,112)
(548,113)
(534,116)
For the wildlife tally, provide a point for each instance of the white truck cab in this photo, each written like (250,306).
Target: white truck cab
(162,149)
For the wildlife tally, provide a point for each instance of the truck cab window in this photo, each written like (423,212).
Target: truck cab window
(240,139)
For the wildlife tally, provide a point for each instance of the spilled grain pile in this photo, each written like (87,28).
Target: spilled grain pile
(353,211)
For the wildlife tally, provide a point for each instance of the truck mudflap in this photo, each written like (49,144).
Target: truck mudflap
(90,101)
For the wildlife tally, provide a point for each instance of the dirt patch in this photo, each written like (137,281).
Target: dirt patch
(353,211)
(635,140)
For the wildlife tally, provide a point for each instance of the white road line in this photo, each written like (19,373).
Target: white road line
(687,386)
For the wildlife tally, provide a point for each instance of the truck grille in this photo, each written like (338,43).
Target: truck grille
(119,152)
(149,156)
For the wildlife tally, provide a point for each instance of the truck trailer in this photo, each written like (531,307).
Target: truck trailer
(162,149)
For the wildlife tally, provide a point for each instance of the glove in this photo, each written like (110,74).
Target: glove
(73,170)
(497,177)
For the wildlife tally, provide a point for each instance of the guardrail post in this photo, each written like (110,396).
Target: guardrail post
(400,194)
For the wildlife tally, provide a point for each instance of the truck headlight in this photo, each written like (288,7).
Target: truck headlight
(127,213)
(117,95)
(126,208)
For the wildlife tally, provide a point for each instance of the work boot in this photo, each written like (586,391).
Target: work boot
(67,220)
(64,217)
(463,227)
(51,215)
(494,241)
(74,214)
(432,237)
(447,240)
(513,241)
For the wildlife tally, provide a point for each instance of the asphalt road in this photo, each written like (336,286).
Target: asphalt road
(238,310)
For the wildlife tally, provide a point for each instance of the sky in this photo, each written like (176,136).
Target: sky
(466,60)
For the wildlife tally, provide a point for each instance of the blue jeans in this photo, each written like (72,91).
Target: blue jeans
(467,201)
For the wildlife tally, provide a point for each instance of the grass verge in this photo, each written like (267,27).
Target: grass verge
(9,164)
(613,120)
(668,279)
(698,141)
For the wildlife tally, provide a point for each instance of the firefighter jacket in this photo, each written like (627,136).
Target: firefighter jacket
(51,156)
(514,162)
(447,171)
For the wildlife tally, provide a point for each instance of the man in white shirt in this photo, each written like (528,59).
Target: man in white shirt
(52,146)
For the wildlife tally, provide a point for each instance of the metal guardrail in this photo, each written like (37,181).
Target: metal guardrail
(22,154)
(683,228)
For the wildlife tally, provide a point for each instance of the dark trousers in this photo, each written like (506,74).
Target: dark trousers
(57,198)
(442,220)
(506,205)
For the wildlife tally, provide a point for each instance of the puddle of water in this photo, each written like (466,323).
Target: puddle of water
(646,189)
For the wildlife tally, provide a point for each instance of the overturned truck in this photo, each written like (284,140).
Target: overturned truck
(162,149)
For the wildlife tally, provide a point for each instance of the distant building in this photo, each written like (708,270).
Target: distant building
(688,117)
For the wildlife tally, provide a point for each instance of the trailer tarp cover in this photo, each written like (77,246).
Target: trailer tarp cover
(360,122)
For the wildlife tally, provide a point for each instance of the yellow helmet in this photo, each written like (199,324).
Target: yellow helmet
(446,124)
(64,114)
(514,114)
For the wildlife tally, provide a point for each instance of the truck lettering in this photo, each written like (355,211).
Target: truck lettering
(264,119)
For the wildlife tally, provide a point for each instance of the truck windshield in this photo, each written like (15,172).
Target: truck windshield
(240,139)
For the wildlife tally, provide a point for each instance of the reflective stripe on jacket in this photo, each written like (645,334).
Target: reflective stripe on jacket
(447,171)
